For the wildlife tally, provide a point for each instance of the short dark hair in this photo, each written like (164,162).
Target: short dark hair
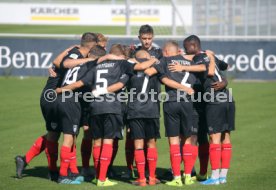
(117,49)
(145,29)
(88,37)
(97,51)
(192,38)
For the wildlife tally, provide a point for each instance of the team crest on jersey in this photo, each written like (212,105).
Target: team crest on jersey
(206,59)
(53,125)
(74,56)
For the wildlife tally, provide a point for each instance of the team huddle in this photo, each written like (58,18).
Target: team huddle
(199,111)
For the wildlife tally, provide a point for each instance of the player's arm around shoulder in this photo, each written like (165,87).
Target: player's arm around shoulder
(70,87)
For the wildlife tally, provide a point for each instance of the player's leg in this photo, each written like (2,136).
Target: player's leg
(95,131)
(172,127)
(226,147)
(51,151)
(86,151)
(140,161)
(189,138)
(203,148)
(112,128)
(22,161)
(152,129)
(215,117)
(129,155)
(189,156)
(69,113)
(66,154)
(111,173)
(226,154)
(137,133)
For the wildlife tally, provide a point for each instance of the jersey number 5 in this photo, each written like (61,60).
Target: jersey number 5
(101,80)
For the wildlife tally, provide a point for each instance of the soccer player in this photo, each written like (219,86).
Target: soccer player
(220,114)
(146,37)
(178,115)
(69,111)
(47,142)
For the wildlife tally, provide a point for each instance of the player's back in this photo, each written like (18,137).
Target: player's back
(106,74)
(185,78)
(143,95)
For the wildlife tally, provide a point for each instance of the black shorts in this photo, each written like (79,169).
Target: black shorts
(69,114)
(219,117)
(49,112)
(178,119)
(106,126)
(144,128)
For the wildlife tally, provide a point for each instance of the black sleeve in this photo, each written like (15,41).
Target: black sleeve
(127,67)
(221,64)
(124,79)
(88,78)
(201,58)
(161,68)
(72,54)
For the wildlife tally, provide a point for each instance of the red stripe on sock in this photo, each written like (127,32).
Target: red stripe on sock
(226,154)
(73,161)
(105,159)
(175,157)
(65,155)
(152,157)
(215,156)
(140,161)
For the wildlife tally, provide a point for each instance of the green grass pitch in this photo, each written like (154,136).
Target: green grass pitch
(254,152)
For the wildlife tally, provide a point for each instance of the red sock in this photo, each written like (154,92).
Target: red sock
(203,151)
(105,159)
(51,151)
(129,152)
(175,157)
(73,161)
(140,161)
(65,154)
(226,154)
(215,156)
(189,157)
(96,159)
(36,148)
(152,157)
(86,150)
(115,150)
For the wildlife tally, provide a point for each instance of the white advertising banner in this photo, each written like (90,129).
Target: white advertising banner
(90,14)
